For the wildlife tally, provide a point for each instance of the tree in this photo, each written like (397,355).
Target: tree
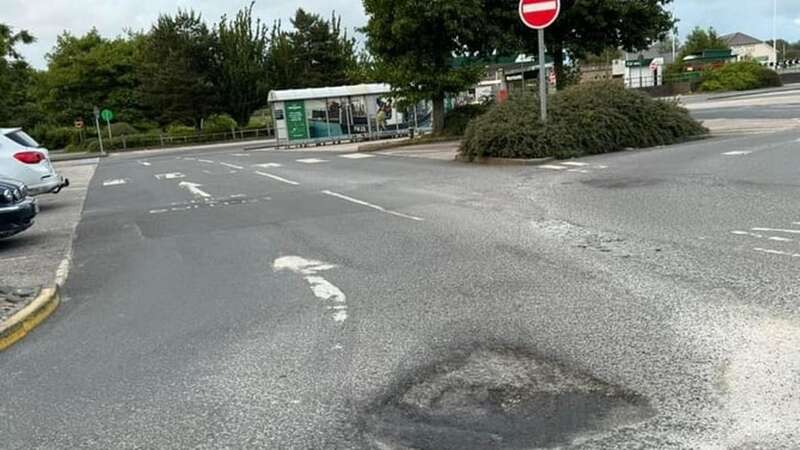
(316,53)
(176,69)
(591,26)
(241,64)
(415,44)
(88,71)
(699,40)
(16,101)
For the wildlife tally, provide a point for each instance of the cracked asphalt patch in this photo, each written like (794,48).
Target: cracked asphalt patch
(499,399)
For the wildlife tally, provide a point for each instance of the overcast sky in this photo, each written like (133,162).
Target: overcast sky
(47,18)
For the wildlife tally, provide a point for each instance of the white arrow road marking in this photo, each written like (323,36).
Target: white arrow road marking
(322,288)
(357,156)
(144,163)
(169,176)
(114,182)
(277,178)
(194,188)
(267,165)
(232,166)
(311,161)
(538,7)
(737,153)
(370,205)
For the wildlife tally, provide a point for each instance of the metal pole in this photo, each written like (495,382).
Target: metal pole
(673,35)
(99,134)
(775,34)
(542,79)
(108,125)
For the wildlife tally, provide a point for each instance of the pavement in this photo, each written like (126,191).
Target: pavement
(334,299)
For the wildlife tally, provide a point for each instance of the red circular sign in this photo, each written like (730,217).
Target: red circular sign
(539,14)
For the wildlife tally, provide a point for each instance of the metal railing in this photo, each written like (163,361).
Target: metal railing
(133,141)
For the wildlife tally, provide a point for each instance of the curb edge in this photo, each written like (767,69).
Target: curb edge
(29,317)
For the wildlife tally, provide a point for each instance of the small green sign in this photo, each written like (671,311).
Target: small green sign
(296,120)
(107,115)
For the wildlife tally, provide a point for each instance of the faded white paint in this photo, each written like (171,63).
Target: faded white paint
(144,163)
(194,188)
(268,165)
(370,205)
(578,171)
(737,153)
(322,288)
(747,233)
(169,176)
(114,182)
(574,163)
(158,211)
(232,166)
(357,156)
(277,178)
(776,252)
(552,167)
(207,161)
(311,161)
(240,154)
(777,230)
(780,239)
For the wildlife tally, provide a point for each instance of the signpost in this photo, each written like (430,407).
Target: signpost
(107,115)
(99,133)
(540,14)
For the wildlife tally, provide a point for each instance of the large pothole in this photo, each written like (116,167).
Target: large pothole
(499,399)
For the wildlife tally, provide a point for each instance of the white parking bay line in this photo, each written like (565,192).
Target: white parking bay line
(144,163)
(737,153)
(207,161)
(169,176)
(357,156)
(574,163)
(232,166)
(552,167)
(114,182)
(777,230)
(370,205)
(311,161)
(776,252)
(268,165)
(277,178)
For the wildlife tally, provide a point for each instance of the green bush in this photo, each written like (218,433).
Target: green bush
(122,128)
(585,119)
(457,119)
(55,138)
(177,129)
(222,123)
(739,76)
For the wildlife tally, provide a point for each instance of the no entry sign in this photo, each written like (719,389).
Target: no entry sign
(539,14)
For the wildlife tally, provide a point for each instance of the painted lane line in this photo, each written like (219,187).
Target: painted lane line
(370,205)
(322,288)
(189,158)
(356,156)
(578,171)
(144,163)
(232,166)
(207,172)
(158,211)
(737,153)
(311,161)
(552,167)
(207,161)
(601,167)
(776,252)
(777,230)
(194,188)
(241,155)
(114,182)
(747,233)
(780,239)
(169,176)
(575,163)
(277,178)
(268,165)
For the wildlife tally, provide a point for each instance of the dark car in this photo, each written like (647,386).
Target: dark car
(17,208)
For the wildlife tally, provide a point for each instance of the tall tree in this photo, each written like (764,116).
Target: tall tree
(415,44)
(176,69)
(700,39)
(16,77)
(241,63)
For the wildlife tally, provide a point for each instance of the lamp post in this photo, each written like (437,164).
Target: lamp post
(775,34)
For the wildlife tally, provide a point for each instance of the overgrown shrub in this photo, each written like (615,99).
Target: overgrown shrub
(222,123)
(122,128)
(584,119)
(739,76)
(177,129)
(457,119)
(55,138)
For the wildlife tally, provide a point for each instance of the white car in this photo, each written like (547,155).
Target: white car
(23,159)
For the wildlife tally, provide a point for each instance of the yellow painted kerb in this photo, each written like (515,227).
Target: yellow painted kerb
(26,319)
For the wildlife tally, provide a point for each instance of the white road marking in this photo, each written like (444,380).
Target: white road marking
(747,233)
(777,252)
(267,165)
(241,154)
(370,205)
(552,167)
(780,239)
(189,158)
(777,230)
(208,172)
(158,211)
(322,288)
(795,223)
(114,182)
(737,153)
(169,176)
(357,156)
(539,7)
(207,161)
(194,188)
(232,166)
(238,196)
(311,161)
(578,170)
(601,167)
(277,178)
(144,163)
(575,163)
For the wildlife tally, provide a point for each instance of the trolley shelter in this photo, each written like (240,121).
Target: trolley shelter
(359,112)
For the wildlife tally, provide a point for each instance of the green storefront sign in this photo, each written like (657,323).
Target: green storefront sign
(296,120)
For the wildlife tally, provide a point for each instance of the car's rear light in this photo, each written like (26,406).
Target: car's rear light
(29,157)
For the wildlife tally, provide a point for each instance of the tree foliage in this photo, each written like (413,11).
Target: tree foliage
(16,78)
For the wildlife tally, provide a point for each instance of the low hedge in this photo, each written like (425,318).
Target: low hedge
(585,119)
(739,76)
(457,119)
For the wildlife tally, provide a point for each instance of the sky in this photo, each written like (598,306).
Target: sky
(46,19)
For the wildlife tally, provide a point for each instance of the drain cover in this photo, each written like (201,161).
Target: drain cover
(499,399)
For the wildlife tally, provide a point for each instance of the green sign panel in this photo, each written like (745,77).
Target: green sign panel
(296,120)
(107,115)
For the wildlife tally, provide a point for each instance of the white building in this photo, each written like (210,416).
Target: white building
(747,47)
